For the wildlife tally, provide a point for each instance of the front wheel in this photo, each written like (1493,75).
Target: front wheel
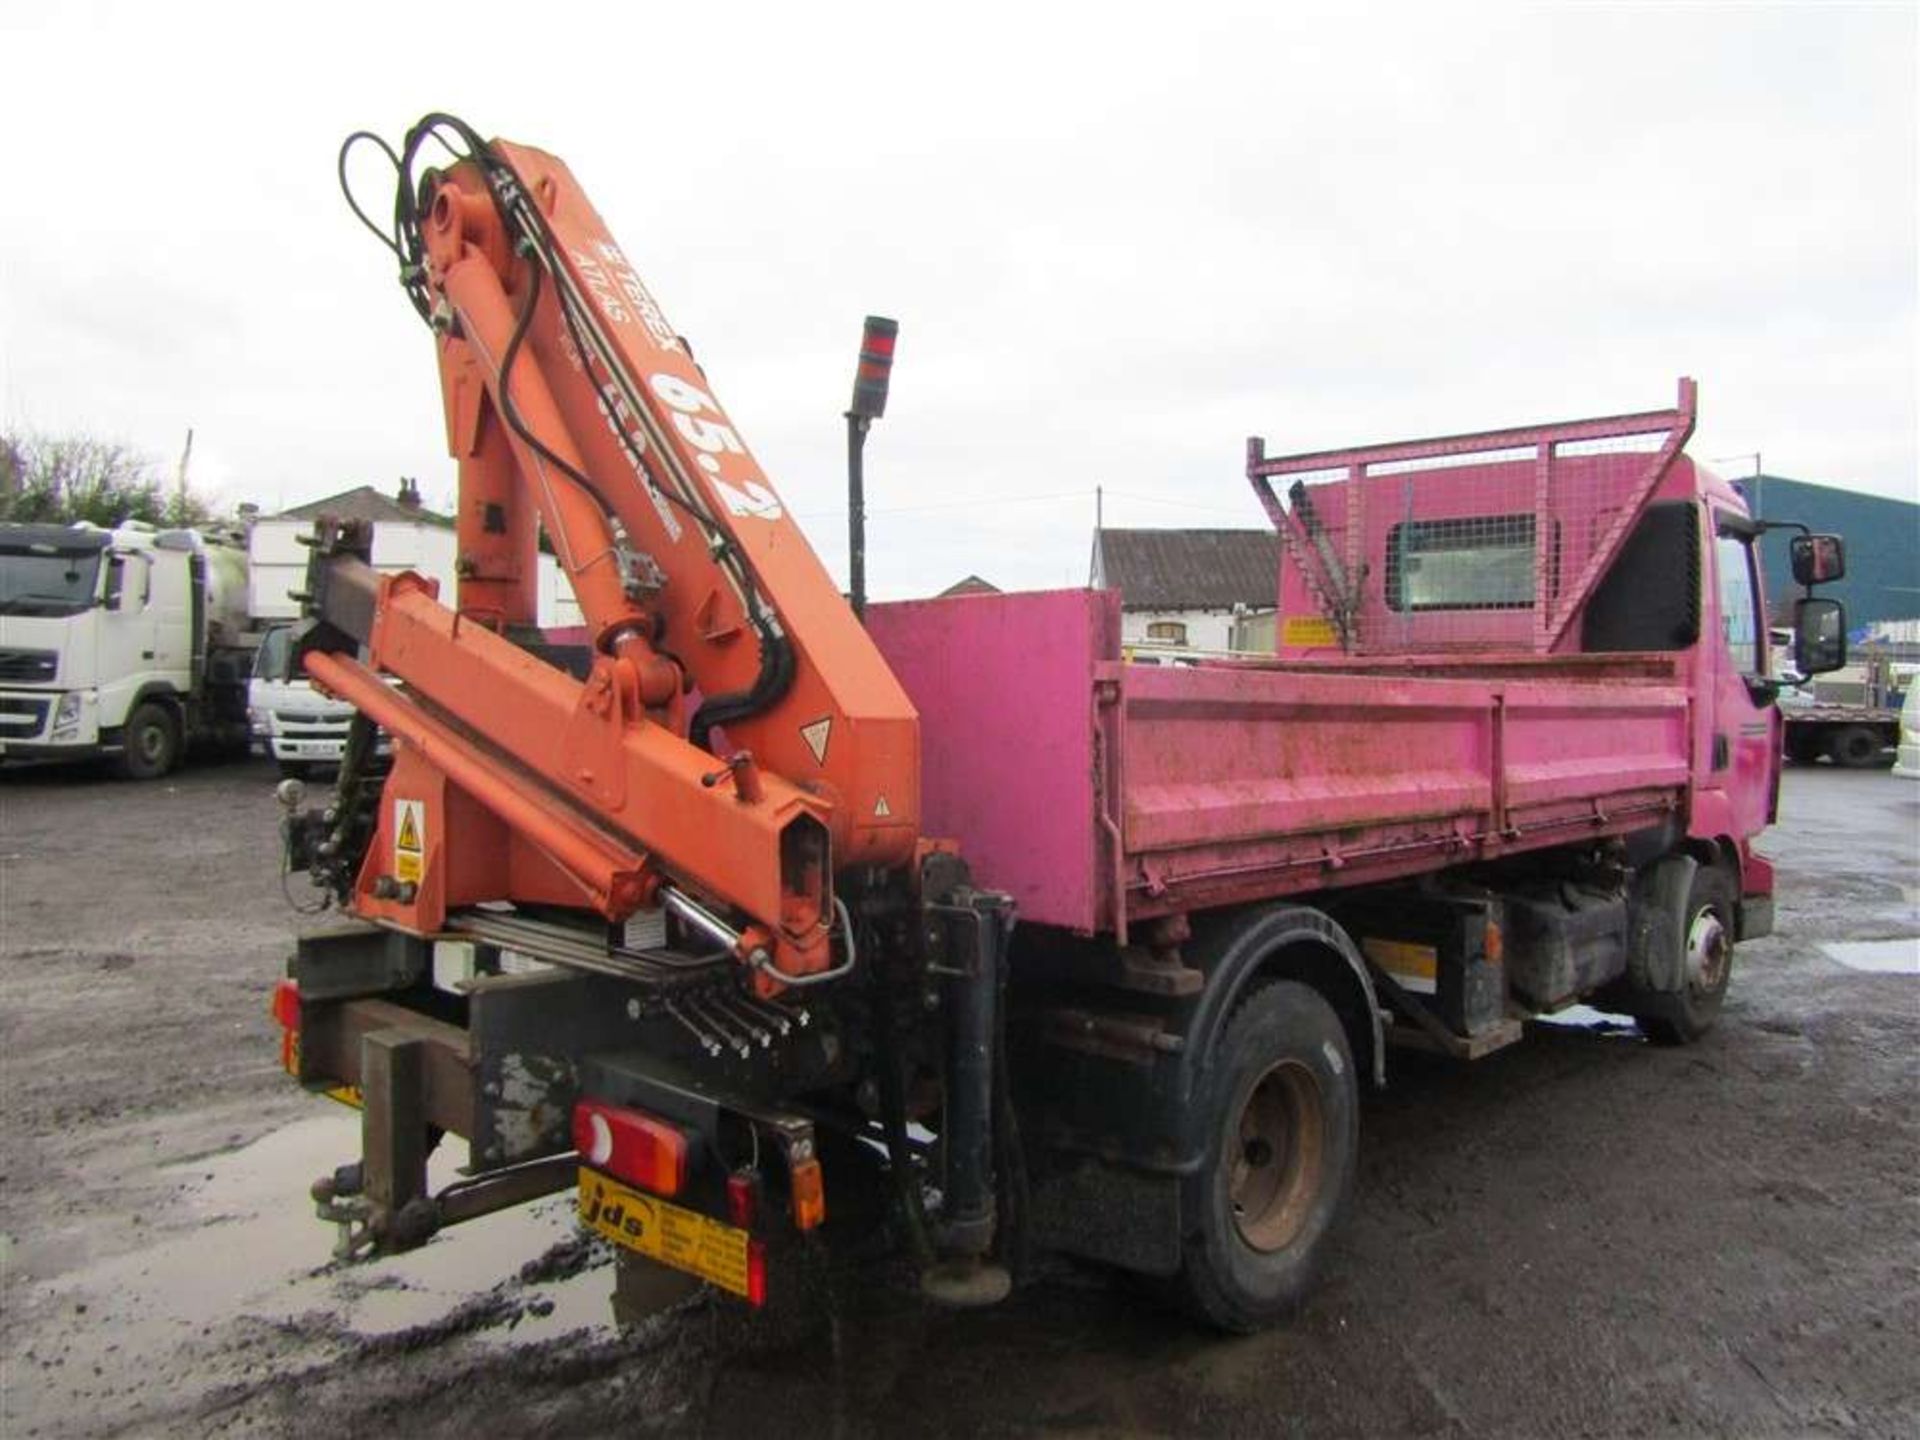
(1706,937)
(151,742)
(1279,1110)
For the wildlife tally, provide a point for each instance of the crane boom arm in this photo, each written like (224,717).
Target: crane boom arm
(738,733)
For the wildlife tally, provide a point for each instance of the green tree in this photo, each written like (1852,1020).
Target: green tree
(60,479)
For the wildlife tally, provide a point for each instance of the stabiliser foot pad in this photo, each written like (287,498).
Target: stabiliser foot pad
(966,1284)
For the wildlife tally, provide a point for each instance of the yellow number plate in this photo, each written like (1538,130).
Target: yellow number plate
(649,1226)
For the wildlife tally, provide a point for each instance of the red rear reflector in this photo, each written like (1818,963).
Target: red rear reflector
(286,1004)
(756,1273)
(635,1146)
(743,1198)
(285,1008)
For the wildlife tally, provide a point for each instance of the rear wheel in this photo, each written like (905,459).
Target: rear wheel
(1857,747)
(1707,959)
(1279,1112)
(151,740)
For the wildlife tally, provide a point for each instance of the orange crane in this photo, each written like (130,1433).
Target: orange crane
(729,752)
(738,739)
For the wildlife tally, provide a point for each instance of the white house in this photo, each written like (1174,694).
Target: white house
(1185,589)
(406,536)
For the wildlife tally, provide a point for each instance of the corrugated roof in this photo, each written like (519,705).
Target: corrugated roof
(363,502)
(1189,569)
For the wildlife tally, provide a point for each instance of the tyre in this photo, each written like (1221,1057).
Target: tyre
(1857,747)
(1278,1109)
(151,740)
(1706,937)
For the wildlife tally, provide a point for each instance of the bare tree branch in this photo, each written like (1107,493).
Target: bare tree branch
(60,479)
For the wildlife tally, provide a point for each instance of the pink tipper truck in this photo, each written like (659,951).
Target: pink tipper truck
(1122,990)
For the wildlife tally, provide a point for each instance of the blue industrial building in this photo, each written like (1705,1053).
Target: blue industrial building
(1883,546)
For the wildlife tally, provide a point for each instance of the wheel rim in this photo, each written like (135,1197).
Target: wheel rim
(1709,952)
(153,743)
(1279,1156)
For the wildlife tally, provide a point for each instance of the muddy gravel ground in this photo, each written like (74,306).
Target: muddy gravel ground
(1583,1235)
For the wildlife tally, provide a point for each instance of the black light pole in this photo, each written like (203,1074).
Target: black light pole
(869,404)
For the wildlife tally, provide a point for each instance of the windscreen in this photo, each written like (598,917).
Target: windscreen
(46,581)
(270,660)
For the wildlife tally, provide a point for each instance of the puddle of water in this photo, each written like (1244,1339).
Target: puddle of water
(242,1242)
(1881,957)
(580,1302)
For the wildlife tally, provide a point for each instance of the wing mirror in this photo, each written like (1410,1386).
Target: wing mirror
(1819,630)
(1817,559)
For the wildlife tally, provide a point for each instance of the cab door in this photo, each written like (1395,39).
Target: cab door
(1743,741)
(128,637)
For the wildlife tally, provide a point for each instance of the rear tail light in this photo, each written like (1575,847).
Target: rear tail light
(743,1198)
(286,1004)
(756,1273)
(631,1145)
(285,1008)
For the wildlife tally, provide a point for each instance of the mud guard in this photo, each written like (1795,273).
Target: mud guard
(1116,1119)
(1656,925)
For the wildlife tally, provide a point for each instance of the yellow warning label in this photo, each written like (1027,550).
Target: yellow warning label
(409,840)
(1307,630)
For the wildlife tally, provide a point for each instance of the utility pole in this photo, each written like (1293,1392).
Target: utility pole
(180,481)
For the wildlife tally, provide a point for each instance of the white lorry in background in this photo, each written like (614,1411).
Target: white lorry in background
(133,643)
(290,721)
(1906,762)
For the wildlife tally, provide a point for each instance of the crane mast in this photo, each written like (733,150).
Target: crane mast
(737,738)
(706,811)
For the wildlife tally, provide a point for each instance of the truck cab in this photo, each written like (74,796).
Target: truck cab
(127,643)
(290,721)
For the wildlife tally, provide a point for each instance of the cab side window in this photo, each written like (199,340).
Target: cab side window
(1740,604)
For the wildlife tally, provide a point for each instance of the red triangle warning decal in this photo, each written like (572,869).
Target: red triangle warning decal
(816,735)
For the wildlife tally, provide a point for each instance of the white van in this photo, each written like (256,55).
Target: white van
(291,721)
(1907,762)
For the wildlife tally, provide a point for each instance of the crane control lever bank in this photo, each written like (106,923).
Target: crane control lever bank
(705,909)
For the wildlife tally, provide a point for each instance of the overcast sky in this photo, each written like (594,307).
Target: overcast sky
(1116,246)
